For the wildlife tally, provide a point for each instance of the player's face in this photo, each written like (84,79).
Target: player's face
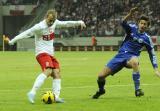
(143,25)
(50,19)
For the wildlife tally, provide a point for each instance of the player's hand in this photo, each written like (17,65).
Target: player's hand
(6,40)
(133,10)
(157,72)
(83,25)
(11,43)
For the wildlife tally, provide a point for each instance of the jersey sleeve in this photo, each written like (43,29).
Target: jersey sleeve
(152,55)
(63,24)
(26,34)
(128,26)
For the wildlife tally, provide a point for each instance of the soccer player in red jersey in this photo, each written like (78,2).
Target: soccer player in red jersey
(44,37)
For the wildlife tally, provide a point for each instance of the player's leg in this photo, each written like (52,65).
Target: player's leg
(38,83)
(115,65)
(134,63)
(56,85)
(40,79)
(46,64)
(101,82)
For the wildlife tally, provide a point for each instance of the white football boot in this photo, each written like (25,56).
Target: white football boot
(31,97)
(59,100)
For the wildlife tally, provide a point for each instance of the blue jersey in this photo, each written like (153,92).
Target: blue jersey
(135,41)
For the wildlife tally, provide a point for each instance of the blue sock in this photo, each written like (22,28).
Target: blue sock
(136,79)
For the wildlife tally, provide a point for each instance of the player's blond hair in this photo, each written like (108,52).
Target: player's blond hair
(51,11)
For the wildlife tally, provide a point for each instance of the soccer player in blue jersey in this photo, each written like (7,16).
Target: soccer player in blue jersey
(128,53)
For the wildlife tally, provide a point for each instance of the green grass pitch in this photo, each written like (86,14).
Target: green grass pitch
(79,71)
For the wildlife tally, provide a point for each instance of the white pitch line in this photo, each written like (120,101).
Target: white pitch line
(83,87)
(75,59)
(120,85)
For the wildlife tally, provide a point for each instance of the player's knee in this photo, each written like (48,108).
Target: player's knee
(48,71)
(135,64)
(105,72)
(56,73)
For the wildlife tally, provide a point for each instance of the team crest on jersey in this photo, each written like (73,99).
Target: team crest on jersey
(138,40)
(131,34)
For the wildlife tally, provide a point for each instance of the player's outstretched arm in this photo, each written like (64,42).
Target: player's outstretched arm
(152,55)
(65,24)
(153,59)
(131,12)
(26,34)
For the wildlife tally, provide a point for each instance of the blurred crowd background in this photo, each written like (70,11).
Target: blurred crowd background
(102,17)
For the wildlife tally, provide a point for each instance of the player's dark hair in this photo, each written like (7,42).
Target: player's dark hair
(146,18)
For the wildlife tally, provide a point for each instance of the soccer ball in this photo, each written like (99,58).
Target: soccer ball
(48,97)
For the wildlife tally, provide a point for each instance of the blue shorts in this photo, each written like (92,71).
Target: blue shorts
(119,61)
